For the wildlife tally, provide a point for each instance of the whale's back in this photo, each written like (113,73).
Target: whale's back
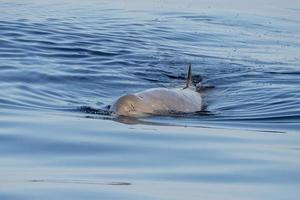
(172,100)
(158,101)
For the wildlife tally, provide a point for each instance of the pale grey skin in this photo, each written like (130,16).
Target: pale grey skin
(159,101)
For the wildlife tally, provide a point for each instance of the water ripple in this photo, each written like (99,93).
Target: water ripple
(62,65)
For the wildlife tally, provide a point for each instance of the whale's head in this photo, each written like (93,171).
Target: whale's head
(129,105)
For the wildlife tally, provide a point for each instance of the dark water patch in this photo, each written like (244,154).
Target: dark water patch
(90,110)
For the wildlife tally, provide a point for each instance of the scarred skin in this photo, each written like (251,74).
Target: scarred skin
(158,101)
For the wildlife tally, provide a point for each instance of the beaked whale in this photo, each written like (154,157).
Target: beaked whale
(161,101)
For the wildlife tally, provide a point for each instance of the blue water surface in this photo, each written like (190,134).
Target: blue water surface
(62,63)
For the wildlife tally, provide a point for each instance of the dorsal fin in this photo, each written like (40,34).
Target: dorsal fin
(189,79)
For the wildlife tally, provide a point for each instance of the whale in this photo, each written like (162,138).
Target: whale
(161,101)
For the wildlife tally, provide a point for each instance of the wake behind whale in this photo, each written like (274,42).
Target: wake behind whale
(161,101)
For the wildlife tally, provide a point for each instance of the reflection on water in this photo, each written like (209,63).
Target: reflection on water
(63,64)
(79,182)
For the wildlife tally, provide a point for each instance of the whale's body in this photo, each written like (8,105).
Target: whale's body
(160,101)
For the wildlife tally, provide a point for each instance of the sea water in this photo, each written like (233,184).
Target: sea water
(62,63)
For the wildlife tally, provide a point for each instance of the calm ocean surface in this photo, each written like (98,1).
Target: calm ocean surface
(63,62)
